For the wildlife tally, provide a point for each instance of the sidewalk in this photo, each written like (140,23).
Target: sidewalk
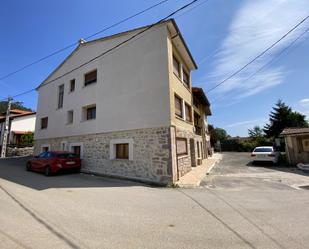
(196,175)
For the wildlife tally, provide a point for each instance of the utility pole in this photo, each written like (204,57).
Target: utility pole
(6,128)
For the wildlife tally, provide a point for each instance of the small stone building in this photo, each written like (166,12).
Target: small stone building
(297,145)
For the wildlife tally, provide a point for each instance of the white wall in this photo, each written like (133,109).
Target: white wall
(25,123)
(132,91)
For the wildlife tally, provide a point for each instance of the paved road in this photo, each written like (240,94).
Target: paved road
(238,206)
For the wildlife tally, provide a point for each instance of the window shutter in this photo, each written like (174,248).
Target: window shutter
(178,106)
(90,77)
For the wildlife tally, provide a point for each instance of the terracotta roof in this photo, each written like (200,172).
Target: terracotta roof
(295,131)
(19,111)
(12,116)
(20,132)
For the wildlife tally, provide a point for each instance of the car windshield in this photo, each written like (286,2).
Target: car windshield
(263,150)
(67,155)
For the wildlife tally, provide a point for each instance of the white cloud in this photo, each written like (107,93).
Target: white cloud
(304,102)
(303,106)
(256,25)
(245,123)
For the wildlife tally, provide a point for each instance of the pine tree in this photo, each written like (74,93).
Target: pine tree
(282,117)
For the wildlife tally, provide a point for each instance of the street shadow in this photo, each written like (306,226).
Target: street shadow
(282,166)
(14,170)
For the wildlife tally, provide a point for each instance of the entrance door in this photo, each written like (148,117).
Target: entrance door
(192,152)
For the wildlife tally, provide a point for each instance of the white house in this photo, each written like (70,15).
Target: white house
(130,112)
(21,122)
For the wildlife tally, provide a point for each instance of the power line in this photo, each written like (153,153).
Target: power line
(113,48)
(187,11)
(271,61)
(258,56)
(75,43)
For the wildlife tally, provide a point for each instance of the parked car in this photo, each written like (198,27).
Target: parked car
(265,154)
(52,162)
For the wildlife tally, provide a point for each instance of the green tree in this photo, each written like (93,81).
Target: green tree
(15,105)
(217,134)
(256,132)
(282,116)
(27,139)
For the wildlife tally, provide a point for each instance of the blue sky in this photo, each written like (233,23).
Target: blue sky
(222,36)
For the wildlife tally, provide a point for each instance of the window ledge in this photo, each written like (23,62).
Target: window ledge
(121,160)
(90,84)
(87,120)
(182,156)
(185,121)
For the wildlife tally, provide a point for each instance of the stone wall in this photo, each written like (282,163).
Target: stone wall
(152,160)
(185,163)
(26,151)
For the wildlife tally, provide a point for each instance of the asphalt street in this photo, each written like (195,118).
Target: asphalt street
(237,206)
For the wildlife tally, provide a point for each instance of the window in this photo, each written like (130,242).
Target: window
(72,85)
(64,145)
(60,96)
(76,149)
(121,148)
(70,117)
(181,146)
(122,151)
(45,147)
(188,111)
(178,106)
(44,123)
(91,113)
(186,78)
(91,77)
(176,66)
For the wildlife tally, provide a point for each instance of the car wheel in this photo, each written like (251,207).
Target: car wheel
(47,171)
(28,167)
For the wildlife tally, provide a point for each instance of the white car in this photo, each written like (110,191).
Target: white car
(265,154)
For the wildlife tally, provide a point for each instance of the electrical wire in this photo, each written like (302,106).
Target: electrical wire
(258,56)
(115,47)
(274,59)
(75,43)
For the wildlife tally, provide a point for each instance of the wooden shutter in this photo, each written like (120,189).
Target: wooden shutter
(188,113)
(122,151)
(186,78)
(178,106)
(176,66)
(90,77)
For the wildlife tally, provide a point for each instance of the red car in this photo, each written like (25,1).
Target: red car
(51,162)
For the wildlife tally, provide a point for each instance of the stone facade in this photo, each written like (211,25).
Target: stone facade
(185,162)
(152,159)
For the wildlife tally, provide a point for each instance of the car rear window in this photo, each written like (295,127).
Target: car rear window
(263,150)
(67,155)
